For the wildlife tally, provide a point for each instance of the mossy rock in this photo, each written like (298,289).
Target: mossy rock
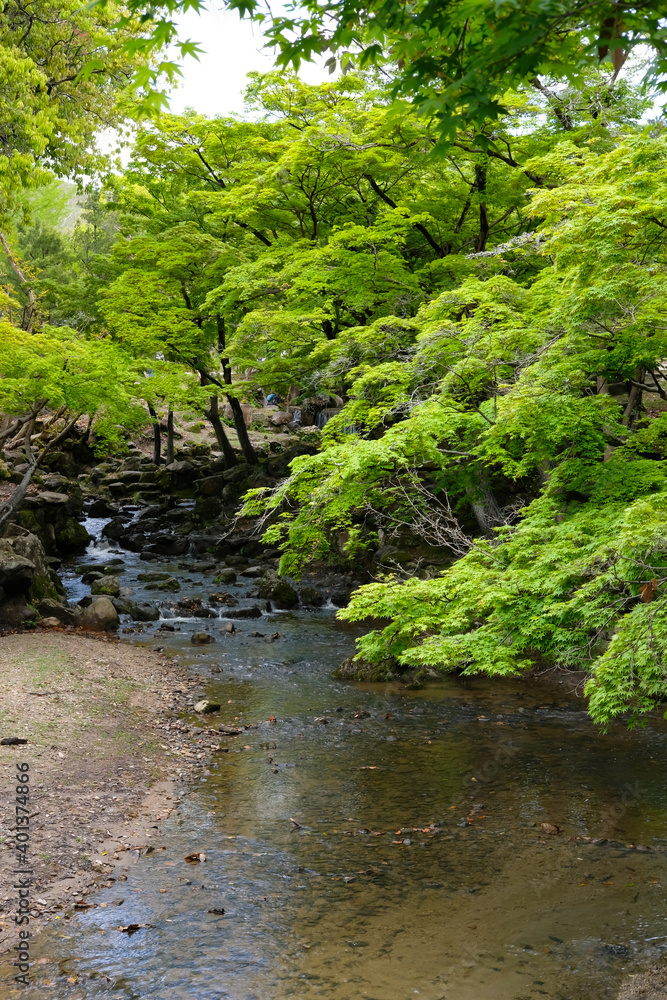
(28,520)
(358,669)
(279,591)
(72,536)
(170,584)
(107,585)
(43,587)
(208,508)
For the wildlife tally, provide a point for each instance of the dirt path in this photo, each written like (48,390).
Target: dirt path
(105,763)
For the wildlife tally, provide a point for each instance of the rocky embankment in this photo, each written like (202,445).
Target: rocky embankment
(186,509)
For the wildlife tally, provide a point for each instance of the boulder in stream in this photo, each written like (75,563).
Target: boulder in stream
(278,590)
(100,616)
(170,584)
(201,639)
(139,611)
(310,597)
(206,707)
(109,585)
(115,529)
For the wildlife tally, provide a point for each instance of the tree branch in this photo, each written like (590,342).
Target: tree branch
(30,312)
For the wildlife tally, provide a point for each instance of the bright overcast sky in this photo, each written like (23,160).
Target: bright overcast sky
(232,48)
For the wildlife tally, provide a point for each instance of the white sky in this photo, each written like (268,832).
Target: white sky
(214,84)
(232,48)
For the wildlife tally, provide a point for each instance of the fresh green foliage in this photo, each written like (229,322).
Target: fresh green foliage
(520,402)
(64,69)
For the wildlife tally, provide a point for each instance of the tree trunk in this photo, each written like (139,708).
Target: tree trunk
(9,508)
(213,415)
(22,439)
(170,436)
(157,438)
(237,412)
(480,185)
(634,399)
(485,506)
(30,310)
(19,428)
(242,431)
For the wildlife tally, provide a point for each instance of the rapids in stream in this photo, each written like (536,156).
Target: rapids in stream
(416,865)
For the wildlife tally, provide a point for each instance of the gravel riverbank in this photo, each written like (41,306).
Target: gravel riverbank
(107,763)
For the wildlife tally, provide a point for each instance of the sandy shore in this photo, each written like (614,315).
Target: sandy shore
(106,763)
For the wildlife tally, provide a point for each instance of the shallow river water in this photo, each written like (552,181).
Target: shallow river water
(418,867)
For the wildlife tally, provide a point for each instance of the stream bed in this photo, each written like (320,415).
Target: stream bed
(378,842)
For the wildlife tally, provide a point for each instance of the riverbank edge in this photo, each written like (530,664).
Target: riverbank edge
(87,840)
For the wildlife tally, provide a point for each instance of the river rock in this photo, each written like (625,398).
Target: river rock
(205,707)
(14,614)
(278,590)
(237,473)
(16,571)
(228,628)
(139,611)
(49,498)
(102,508)
(91,575)
(212,486)
(115,529)
(225,576)
(201,639)
(109,585)
(57,483)
(311,597)
(201,567)
(100,616)
(227,599)
(170,584)
(50,623)
(180,467)
(253,571)
(71,536)
(253,612)
(153,577)
(358,669)
(48,608)
(192,607)
(23,566)
(280,419)
(341,597)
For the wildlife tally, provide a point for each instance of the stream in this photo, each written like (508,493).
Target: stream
(416,865)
